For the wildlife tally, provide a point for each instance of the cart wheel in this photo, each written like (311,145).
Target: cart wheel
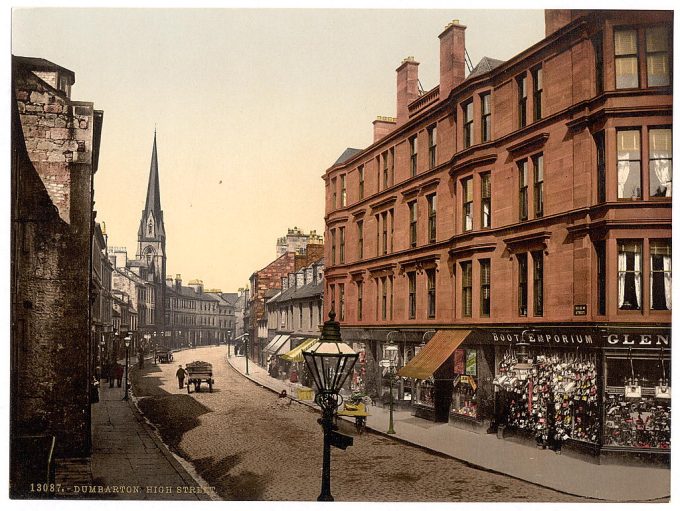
(360,424)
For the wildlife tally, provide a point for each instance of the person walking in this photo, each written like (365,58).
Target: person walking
(181,374)
(119,374)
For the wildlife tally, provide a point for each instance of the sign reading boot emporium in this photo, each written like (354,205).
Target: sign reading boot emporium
(576,338)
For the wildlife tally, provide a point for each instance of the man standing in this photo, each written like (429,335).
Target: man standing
(181,374)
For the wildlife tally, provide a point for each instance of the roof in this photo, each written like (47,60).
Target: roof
(309,290)
(484,66)
(38,64)
(346,155)
(433,355)
(230,298)
(189,292)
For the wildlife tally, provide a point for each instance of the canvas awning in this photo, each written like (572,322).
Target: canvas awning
(268,347)
(295,355)
(280,343)
(433,354)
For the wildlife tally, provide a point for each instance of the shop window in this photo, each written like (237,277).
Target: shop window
(343,191)
(361,182)
(522,100)
(522,284)
(538,185)
(341,291)
(660,162)
(411,295)
(360,239)
(342,245)
(523,168)
(413,223)
(432,145)
(466,270)
(465,383)
(628,163)
(538,282)
(431,293)
(467,203)
(360,300)
(630,275)
(468,124)
(432,218)
(485,287)
(425,393)
(413,148)
(658,60)
(600,251)
(383,302)
(661,274)
(601,167)
(626,55)
(537,75)
(486,116)
(639,423)
(486,200)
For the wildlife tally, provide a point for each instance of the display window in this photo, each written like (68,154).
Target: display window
(425,392)
(556,398)
(465,383)
(637,402)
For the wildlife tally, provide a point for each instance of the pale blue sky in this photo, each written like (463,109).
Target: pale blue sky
(261,100)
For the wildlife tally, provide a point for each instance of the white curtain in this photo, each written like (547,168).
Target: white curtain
(664,173)
(622,277)
(667,278)
(468,222)
(624,170)
(638,277)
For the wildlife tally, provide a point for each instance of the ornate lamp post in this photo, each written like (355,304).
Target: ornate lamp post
(330,361)
(127,365)
(392,352)
(245,340)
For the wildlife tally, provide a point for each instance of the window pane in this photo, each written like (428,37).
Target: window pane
(629,274)
(661,274)
(657,39)
(628,144)
(660,143)
(658,70)
(626,72)
(625,42)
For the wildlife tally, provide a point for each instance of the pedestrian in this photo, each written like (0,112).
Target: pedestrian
(119,374)
(181,374)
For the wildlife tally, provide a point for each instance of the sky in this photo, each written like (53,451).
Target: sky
(251,106)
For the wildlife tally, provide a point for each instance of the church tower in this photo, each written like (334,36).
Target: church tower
(151,242)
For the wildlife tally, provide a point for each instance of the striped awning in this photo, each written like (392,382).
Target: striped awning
(433,354)
(283,340)
(268,347)
(295,355)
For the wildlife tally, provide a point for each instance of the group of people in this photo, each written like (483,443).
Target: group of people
(114,371)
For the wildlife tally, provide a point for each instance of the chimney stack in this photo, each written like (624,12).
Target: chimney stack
(178,283)
(382,127)
(451,58)
(407,87)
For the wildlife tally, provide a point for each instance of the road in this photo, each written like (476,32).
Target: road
(251,445)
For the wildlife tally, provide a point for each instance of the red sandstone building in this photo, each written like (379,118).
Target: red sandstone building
(529,201)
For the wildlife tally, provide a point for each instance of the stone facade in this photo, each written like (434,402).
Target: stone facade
(55,147)
(296,241)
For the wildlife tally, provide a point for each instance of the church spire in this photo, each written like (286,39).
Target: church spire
(153,191)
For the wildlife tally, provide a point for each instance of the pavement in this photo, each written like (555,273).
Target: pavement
(582,477)
(128,459)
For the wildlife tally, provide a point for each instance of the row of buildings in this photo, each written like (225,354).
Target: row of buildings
(511,231)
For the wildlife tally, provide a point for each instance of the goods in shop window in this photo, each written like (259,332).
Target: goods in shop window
(642,424)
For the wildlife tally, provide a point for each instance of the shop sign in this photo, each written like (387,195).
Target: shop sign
(639,339)
(580,310)
(553,338)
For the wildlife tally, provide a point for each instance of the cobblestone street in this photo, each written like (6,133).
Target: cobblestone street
(251,445)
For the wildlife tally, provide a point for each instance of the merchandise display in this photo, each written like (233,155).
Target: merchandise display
(465,383)
(425,392)
(640,423)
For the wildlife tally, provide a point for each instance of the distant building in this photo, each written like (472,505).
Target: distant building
(102,341)
(55,151)
(296,241)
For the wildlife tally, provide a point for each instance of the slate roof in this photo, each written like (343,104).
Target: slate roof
(484,66)
(346,155)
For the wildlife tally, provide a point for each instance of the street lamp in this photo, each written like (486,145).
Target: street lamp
(392,352)
(127,365)
(523,367)
(245,340)
(228,343)
(102,346)
(330,361)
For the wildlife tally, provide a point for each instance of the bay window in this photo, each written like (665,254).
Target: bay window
(660,162)
(630,274)
(628,163)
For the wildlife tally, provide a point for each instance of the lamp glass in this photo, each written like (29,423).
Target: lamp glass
(392,352)
(127,342)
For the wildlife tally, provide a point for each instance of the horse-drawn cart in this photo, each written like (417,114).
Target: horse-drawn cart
(197,373)
(162,355)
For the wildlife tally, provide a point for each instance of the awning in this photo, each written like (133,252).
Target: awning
(433,354)
(268,347)
(295,355)
(280,343)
